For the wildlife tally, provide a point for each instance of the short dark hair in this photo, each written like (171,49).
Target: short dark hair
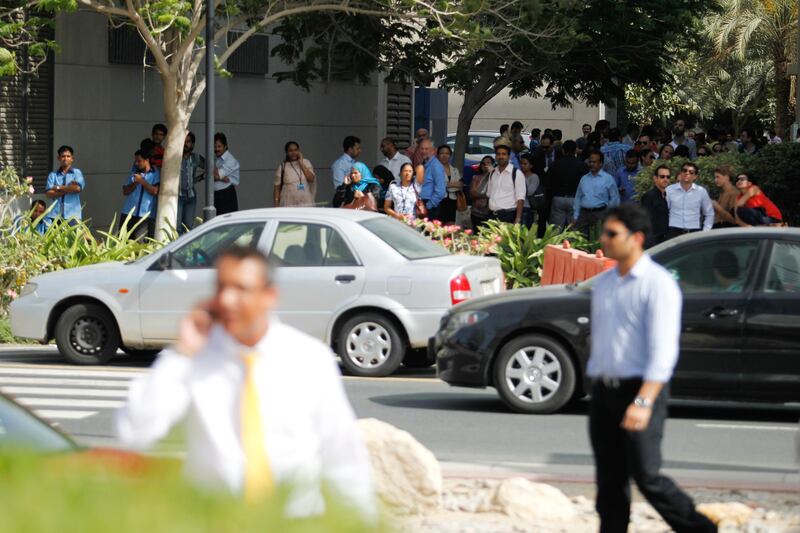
(65,148)
(586,124)
(535,132)
(558,134)
(516,125)
(350,142)
(290,143)
(39,202)
(159,127)
(503,128)
(144,154)
(597,152)
(384,175)
(191,136)
(682,151)
(690,164)
(614,135)
(146,147)
(242,253)
(548,136)
(631,154)
(529,158)
(505,147)
(569,147)
(219,136)
(632,216)
(389,140)
(662,167)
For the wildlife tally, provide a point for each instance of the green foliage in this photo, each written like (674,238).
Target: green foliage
(5,334)
(775,166)
(73,494)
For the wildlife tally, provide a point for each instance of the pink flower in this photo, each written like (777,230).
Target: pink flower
(468,231)
(29,179)
(437,223)
(30,189)
(425,219)
(12,293)
(447,241)
(498,239)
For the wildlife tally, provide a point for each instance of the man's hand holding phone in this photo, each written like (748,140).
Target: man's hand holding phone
(194,328)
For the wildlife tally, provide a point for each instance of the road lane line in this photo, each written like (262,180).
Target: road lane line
(70,402)
(745,426)
(47,391)
(67,382)
(53,414)
(36,371)
(120,369)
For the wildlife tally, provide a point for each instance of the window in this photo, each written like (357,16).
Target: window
(310,245)
(481,144)
(251,57)
(403,239)
(126,47)
(203,251)
(783,273)
(721,266)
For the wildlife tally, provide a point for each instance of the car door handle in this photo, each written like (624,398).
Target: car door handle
(721,312)
(345,278)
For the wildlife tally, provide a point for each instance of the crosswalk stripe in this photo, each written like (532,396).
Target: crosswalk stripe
(48,391)
(16,371)
(70,402)
(52,414)
(67,382)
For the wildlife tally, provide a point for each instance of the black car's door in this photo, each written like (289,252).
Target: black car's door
(771,358)
(716,278)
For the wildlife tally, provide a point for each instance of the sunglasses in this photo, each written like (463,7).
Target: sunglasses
(742,178)
(663,176)
(641,142)
(610,233)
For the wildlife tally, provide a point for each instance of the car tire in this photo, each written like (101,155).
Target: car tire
(141,353)
(370,345)
(534,374)
(87,334)
(417,358)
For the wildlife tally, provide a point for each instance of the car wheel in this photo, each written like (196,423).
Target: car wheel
(86,334)
(417,358)
(141,353)
(534,374)
(370,345)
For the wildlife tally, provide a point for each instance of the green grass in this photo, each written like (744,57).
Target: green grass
(70,494)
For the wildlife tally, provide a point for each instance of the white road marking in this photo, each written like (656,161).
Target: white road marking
(46,391)
(744,426)
(67,382)
(70,402)
(53,414)
(33,371)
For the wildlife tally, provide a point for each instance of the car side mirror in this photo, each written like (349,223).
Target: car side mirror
(165,261)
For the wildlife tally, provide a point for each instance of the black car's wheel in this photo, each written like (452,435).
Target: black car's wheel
(370,345)
(141,353)
(417,358)
(86,334)
(534,374)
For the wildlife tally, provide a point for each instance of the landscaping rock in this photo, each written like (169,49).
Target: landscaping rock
(529,501)
(731,513)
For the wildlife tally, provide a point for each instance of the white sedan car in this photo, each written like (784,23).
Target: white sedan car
(368,285)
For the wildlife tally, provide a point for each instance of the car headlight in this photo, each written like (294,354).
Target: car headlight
(29,288)
(465,318)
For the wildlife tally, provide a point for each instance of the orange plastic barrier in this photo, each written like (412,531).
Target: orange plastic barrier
(562,264)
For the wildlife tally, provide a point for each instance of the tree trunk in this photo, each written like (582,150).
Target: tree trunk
(783,87)
(177,127)
(465,116)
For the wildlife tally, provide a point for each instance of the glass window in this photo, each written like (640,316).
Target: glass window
(403,239)
(783,273)
(721,266)
(481,144)
(202,251)
(22,431)
(310,245)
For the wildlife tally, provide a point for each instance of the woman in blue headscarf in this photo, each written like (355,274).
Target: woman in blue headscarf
(358,184)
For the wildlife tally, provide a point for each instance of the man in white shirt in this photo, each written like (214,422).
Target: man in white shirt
(263,402)
(392,159)
(226,177)
(690,207)
(507,188)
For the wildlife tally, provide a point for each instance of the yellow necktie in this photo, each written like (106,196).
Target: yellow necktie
(258,480)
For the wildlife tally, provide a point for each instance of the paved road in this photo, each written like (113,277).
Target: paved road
(470,430)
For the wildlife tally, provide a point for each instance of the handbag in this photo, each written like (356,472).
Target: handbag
(365,203)
(420,208)
(461,201)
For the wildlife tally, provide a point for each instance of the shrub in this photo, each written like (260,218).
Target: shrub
(705,167)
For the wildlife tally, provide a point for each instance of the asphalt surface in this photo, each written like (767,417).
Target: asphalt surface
(470,431)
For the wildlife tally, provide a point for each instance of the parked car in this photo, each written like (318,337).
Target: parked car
(480,143)
(369,285)
(740,335)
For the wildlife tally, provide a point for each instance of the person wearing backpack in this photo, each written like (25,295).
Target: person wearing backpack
(507,188)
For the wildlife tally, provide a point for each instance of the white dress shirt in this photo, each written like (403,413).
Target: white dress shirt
(504,191)
(394,164)
(228,168)
(310,429)
(636,323)
(687,206)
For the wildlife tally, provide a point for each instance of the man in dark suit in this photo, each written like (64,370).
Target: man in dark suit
(561,182)
(655,202)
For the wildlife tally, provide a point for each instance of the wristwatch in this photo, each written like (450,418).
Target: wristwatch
(641,401)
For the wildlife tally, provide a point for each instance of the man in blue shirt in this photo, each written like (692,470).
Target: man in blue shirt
(625,176)
(597,191)
(64,186)
(434,188)
(141,197)
(690,207)
(614,151)
(342,166)
(636,325)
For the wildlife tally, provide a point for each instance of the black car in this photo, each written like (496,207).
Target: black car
(740,337)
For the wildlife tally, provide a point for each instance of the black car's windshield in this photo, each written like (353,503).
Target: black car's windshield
(19,430)
(403,239)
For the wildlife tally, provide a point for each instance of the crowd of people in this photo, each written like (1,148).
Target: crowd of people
(545,181)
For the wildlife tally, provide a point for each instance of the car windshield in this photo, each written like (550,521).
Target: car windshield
(21,431)
(403,239)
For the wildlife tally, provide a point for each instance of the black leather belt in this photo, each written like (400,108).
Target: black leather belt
(594,209)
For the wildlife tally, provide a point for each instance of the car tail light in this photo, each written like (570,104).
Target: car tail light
(476,167)
(460,289)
